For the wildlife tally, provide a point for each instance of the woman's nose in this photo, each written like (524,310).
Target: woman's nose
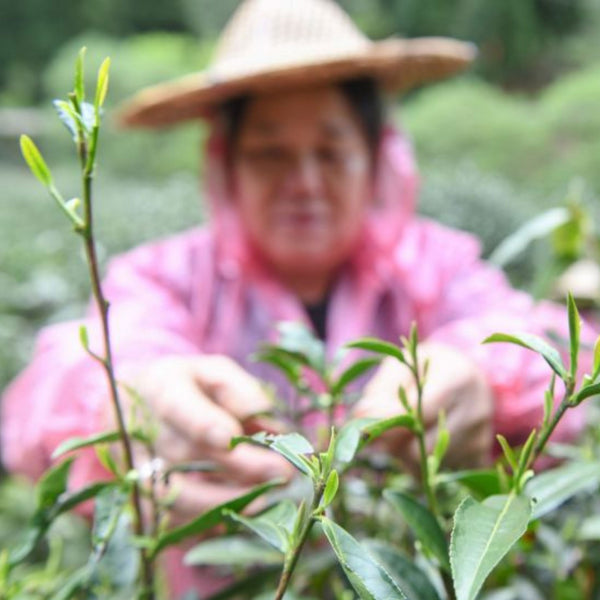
(305,175)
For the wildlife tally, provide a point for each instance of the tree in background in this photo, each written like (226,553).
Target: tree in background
(515,36)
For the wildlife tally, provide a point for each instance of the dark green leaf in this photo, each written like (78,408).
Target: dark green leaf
(410,579)
(104,437)
(273,525)
(482,535)
(35,161)
(368,578)
(71,500)
(76,443)
(374,430)
(587,392)
(249,585)
(353,372)
(482,482)
(53,483)
(289,365)
(233,551)
(378,346)
(537,344)
(552,488)
(423,524)
(212,517)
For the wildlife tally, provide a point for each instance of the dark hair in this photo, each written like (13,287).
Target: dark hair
(361,93)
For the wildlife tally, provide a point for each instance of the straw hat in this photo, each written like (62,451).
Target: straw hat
(274,44)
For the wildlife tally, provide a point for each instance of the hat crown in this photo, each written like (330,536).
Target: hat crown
(266,34)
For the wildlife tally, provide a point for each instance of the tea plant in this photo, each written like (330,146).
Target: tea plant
(354,521)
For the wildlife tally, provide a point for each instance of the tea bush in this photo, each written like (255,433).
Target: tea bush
(440,535)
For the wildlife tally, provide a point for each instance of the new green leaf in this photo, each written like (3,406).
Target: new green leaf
(35,161)
(102,85)
(537,344)
(423,524)
(378,346)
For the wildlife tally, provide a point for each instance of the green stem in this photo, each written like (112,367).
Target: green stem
(107,361)
(292,560)
(427,487)
(549,430)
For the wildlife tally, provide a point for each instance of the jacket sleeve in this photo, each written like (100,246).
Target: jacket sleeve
(63,391)
(460,300)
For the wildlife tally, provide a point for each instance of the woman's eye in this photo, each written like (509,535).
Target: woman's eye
(331,156)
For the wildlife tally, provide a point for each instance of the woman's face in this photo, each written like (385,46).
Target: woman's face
(302,179)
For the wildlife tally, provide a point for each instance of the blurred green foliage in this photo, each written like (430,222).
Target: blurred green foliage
(540,142)
(522,42)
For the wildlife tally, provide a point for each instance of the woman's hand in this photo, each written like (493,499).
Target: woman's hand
(455,385)
(200,403)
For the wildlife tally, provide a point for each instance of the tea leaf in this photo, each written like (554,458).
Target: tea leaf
(232,551)
(508,452)
(483,533)
(368,578)
(378,346)
(526,451)
(482,482)
(574,333)
(596,359)
(291,446)
(410,578)
(537,344)
(348,439)
(102,84)
(353,372)
(79,87)
(357,433)
(35,161)
(587,392)
(104,437)
(274,525)
(423,524)
(552,488)
(78,442)
(212,517)
(70,501)
(53,483)
(331,488)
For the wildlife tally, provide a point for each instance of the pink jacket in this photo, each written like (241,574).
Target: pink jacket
(204,292)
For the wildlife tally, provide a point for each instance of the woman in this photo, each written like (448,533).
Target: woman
(312,199)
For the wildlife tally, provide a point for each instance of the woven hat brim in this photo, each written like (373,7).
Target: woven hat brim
(398,64)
